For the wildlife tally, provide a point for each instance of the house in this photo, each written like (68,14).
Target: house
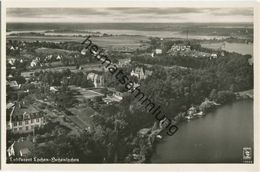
(118,95)
(144,132)
(214,56)
(84,51)
(58,57)
(14,85)
(11,61)
(110,99)
(192,110)
(158,51)
(98,80)
(25,119)
(9,105)
(33,63)
(20,148)
(53,89)
(10,76)
(140,73)
(115,97)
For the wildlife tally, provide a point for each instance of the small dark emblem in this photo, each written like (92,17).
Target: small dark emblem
(247,153)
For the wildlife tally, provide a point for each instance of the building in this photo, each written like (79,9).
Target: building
(111,99)
(33,63)
(14,85)
(192,110)
(25,119)
(58,57)
(158,51)
(98,80)
(213,56)
(20,148)
(140,73)
(9,105)
(179,49)
(114,96)
(53,89)
(11,61)
(118,95)
(10,76)
(12,48)
(145,132)
(84,51)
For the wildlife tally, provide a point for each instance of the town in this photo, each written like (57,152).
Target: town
(61,102)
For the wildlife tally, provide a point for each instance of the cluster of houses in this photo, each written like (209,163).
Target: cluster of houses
(14,48)
(37,61)
(185,50)
(24,119)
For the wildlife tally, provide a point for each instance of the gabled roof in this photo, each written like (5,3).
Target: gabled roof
(24,147)
(27,113)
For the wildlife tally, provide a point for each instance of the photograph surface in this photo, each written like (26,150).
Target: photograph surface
(129,85)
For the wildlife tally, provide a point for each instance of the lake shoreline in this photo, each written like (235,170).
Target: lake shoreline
(240,96)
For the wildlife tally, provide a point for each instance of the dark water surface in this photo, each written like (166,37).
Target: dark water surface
(218,137)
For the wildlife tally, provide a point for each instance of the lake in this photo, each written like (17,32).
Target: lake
(162,34)
(241,48)
(218,137)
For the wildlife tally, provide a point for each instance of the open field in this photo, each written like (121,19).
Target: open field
(85,93)
(53,50)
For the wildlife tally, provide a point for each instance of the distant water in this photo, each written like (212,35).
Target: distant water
(178,30)
(219,137)
(241,48)
(161,34)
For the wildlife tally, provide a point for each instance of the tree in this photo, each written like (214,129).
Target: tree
(213,94)
(86,83)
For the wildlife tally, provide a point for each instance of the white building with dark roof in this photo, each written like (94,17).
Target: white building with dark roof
(25,119)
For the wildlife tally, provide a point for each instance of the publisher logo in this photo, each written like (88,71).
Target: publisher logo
(247,153)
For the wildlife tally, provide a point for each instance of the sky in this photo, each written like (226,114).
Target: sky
(136,15)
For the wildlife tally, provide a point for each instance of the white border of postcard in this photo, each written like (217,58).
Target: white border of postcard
(133,3)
